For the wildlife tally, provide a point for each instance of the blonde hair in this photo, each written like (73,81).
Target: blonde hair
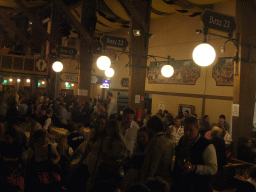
(216,132)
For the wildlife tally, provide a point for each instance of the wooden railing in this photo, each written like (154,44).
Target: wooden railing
(22,64)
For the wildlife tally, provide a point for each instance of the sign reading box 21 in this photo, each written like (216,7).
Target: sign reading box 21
(105,84)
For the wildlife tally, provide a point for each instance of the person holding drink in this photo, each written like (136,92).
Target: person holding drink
(195,161)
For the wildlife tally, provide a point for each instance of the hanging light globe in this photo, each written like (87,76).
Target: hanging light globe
(103,62)
(167,71)
(204,55)
(109,72)
(57,66)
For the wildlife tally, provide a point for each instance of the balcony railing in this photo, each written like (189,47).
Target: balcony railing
(22,64)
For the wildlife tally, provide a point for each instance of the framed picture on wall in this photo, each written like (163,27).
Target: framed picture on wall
(184,107)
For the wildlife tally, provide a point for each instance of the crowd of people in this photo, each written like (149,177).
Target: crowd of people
(158,153)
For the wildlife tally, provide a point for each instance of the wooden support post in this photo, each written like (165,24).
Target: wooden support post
(88,21)
(139,51)
(244,83)
(54,30)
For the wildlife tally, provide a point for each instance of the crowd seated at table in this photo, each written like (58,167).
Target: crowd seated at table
(67,145)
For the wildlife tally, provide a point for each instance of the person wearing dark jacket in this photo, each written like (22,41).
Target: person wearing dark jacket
(244,150)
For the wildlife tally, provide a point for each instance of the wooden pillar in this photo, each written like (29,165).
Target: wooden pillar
(245,81)
(33,85)
(139,51)
(88,21)
(54,30)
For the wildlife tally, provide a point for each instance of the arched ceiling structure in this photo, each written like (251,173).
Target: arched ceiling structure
(111,14)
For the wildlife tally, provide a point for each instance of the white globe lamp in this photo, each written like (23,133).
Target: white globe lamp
(167,71)
(204,55)
(109,72)
(57,66)
(103,62)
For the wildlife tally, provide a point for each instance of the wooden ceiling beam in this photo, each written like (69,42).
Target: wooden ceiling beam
(37,24)
(134,12)
(65,9)
(16,29)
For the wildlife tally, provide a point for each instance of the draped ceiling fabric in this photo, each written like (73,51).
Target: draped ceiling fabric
(111,15)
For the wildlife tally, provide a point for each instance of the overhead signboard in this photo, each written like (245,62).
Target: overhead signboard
(66,51)
(69,77)
(112,41)
(213,20)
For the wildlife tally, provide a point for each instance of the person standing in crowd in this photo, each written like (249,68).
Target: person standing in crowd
(169,120)
(62,116)
(186,114)
(75,138)
(205,125)
(196,159)
(112,108)
(129,129)
(175,132)
(223,123)
(159,153)
(244,150)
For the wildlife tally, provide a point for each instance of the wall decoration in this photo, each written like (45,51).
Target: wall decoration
(223,71)
(184,107)
(185,72)
(125,82)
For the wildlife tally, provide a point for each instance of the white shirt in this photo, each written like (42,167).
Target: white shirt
(47,123)
(227,138)
(176,134)
(112,109)
(130,136)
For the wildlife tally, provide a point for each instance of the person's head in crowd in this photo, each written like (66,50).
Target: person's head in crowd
(71,127)
(214,125)
(49,112)
(195,115)
(157,185)
(206,118)
(181,114)
(142,137)
(108,186)
(40,137)
(155,125)
(139,188)
(169,118)
(128,115)
(165,113)
(216,132)
(222,119)
(10,137)
(159,112)
(112,129)
(186,113)
(245,141)
(47,99)
(191,128)
(177,121)
(100,127)
(110,95)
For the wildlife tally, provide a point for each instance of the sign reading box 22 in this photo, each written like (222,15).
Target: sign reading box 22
(105,84)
